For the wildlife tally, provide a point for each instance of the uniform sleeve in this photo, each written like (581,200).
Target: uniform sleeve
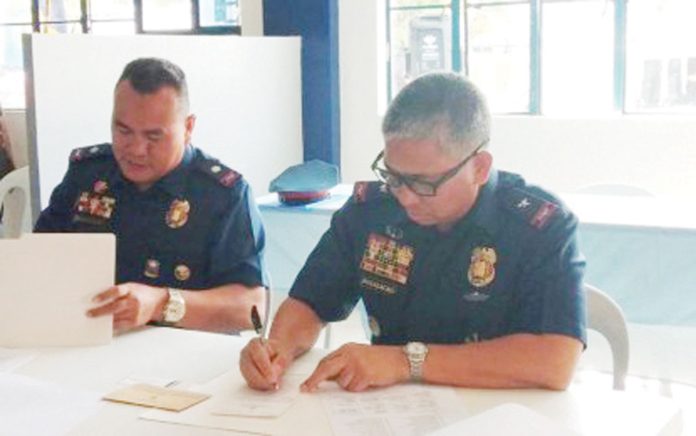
(327,280)
(237,252)
(551,285)
(57,217)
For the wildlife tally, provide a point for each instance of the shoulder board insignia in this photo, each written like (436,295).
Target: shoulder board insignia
(91,152)
(533,209)
(364,191)
(227,177)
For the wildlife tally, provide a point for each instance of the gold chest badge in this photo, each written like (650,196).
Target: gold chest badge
(387,258)
(178,213)
(482,266)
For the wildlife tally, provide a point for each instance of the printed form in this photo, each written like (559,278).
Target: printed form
(407,410)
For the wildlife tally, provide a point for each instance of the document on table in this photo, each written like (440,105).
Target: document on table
(397,410)
(234,406)
(509,420)
(143,394)
(248,402)
(30,407)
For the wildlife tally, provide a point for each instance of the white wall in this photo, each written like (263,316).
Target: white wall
(359,69)
(653,152)
(656,153)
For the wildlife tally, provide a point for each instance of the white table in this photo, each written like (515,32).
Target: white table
(197,357)
(640,250)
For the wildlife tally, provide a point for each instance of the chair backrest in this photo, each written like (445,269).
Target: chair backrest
(606,317)
(16,203)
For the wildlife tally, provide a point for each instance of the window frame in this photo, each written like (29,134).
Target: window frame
(460,63)
(86,21)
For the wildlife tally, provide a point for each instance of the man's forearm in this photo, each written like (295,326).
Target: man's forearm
(296,327)
(223,309)
(515,361)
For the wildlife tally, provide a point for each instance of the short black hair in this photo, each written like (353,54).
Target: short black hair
(442,105)
(149,75)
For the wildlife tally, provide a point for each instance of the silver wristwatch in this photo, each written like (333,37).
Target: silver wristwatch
(175,308)
(415,353)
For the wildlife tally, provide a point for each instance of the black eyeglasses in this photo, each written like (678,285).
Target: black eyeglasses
(417,184)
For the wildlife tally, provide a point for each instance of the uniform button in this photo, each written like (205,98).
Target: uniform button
(182,272)
(152,268)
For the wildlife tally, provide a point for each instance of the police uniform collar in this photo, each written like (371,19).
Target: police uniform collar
(484,208)
(174,182)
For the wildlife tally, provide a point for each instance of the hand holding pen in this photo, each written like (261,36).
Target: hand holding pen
(261,363)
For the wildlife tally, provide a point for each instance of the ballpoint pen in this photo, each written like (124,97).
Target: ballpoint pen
(256,321)
(258,327)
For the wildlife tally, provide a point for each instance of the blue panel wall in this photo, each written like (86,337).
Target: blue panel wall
(316,21)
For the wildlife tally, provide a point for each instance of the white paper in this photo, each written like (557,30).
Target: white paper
(244,401)
(30,407)
(11,359)
(47,282)
(229,394)
(509,420)
(397,410)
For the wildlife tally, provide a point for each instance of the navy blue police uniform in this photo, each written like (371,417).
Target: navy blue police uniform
(511,265)
(196,228)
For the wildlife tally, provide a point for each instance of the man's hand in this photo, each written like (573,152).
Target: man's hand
(263,364)
(356,367)
(132,304)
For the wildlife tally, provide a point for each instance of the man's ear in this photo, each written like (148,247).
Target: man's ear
(190,124)
(483,162)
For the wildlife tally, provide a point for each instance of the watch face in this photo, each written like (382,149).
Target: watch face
(175,312)
(175,309)
(416,348)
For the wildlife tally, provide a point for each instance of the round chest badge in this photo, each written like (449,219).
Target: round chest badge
(482,267)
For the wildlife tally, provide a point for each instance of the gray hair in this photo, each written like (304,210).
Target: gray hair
(443,106)
(149,75)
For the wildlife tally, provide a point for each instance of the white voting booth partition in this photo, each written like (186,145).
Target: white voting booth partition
(245,92)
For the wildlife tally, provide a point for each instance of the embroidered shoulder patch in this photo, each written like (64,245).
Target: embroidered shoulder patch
(227,177)
(92,152)
(365,191)
(537,211)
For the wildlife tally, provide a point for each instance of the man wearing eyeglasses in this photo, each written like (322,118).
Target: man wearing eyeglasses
(470,277)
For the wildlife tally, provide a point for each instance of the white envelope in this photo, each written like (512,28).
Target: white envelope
(47,282)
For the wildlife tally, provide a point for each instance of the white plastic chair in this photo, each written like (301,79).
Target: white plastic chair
(607,318)
(15,199)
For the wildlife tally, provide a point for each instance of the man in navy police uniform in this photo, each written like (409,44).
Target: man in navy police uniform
(189,235)
(470,277)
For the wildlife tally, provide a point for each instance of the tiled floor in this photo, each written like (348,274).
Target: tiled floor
(663,362)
